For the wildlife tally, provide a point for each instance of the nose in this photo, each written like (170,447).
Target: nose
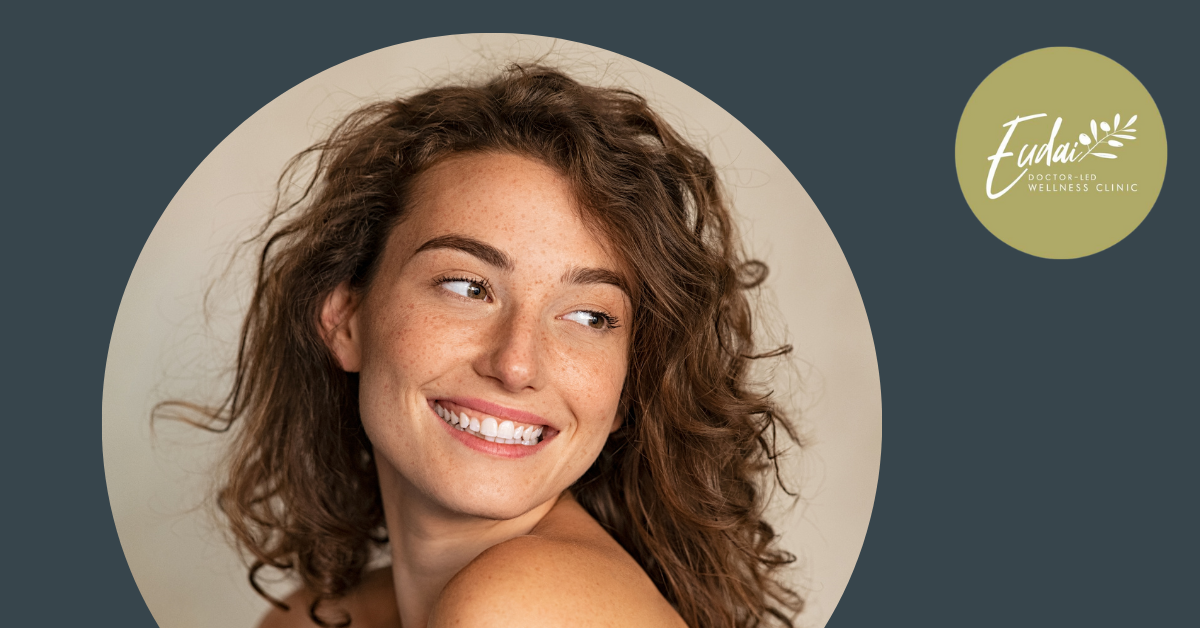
(513,352)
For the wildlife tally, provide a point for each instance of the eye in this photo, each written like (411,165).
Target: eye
(595,320)
(476,290)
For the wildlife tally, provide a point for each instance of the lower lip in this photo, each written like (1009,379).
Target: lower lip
(503,450)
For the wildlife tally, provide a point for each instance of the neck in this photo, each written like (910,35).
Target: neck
(430,544)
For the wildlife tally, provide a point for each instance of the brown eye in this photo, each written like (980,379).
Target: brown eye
(466,288)
(595,320)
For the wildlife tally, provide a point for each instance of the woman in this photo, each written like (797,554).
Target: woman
(504,330)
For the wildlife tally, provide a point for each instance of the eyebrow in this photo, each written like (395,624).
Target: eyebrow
(579,275)
(493,256)
(487,253)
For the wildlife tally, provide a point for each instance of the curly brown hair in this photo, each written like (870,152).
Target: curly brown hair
(681,485)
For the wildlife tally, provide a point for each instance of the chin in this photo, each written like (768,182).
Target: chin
(487,502)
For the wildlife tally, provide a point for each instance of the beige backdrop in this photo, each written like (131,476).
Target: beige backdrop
(163,346)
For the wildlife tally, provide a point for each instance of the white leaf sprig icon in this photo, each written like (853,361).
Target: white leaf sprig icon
(1115,131)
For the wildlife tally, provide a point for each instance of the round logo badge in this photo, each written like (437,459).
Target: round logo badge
(1061,153)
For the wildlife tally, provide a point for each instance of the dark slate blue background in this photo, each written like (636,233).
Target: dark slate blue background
(1040,422)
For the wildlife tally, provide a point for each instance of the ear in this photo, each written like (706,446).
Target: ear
(616,423)
(339,327)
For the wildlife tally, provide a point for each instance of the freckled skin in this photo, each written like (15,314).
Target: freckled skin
(420,341)
(416,335)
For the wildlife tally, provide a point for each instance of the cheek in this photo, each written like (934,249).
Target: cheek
(409,346)
(593,381)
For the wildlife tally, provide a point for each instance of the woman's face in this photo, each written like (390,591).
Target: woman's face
(492,299)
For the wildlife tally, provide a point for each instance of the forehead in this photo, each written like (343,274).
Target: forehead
(514,203)
(493,185)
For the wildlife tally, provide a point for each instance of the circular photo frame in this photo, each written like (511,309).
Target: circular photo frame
(176,332)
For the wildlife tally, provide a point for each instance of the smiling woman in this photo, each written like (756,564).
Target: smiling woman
(503,332)
(490,365)
(544,352)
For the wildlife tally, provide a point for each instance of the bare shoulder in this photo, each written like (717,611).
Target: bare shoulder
(567,572)
(372,604)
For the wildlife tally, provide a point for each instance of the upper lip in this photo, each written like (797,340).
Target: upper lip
(496,410)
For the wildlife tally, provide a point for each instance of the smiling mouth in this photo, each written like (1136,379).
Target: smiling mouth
(488,428)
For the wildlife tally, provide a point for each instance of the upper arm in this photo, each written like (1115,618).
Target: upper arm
(535,583)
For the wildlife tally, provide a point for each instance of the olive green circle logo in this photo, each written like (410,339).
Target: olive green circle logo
(1061,153)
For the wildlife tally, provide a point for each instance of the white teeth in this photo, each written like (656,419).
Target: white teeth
(490,428)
